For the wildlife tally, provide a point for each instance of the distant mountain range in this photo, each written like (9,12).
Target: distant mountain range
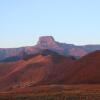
(47,42)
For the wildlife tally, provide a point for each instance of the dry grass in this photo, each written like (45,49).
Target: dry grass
(55,92)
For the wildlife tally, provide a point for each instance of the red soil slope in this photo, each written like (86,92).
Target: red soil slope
(49,68)
(44,69)
(86,70)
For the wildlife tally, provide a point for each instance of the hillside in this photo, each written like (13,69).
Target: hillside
(87,70)
(46,67)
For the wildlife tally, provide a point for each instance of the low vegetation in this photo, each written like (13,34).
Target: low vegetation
(93,96)
(78,92)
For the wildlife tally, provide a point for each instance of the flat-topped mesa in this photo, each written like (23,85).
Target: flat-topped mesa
(46,41)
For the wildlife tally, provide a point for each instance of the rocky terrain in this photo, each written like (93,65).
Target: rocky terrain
(47,42)
(50,70)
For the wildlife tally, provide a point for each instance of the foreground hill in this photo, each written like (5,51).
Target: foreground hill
(47,42)
(46,67)
(87,70)
(49,68)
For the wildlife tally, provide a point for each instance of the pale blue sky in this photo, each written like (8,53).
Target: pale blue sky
(70,21)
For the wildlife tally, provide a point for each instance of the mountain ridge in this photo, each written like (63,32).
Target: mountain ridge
(48,42)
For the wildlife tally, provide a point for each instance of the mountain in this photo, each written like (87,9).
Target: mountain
(46,67)
(49,68)
(86,70)
(48,42)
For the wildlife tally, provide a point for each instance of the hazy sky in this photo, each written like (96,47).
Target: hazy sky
(70,21)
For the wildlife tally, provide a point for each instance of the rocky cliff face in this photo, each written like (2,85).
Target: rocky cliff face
(48,42)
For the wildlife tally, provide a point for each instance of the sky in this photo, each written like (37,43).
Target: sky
(22,22)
